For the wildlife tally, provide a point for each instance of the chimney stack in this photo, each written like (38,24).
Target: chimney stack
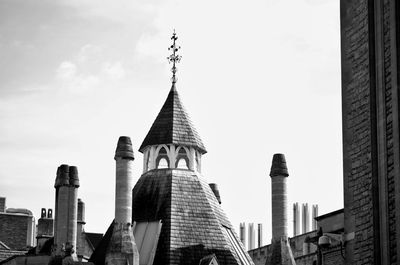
(122,248)
(252,235)
(281,251)
(279,174)
(260,235)
(80,237)
(243,234)
(66,184)
(314,214)
(296,219)
(44,228)
(305,218)
(214,188)
(73,206)
(124,180)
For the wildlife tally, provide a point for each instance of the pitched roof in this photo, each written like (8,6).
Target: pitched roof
(193,222)
(173,126)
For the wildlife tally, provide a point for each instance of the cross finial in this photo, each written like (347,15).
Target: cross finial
(174,58)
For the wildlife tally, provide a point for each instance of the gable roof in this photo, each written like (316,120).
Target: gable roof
(173,126)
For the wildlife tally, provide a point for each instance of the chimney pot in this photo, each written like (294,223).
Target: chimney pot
(124,148)
(43,214)
(73,176)
(50,213)
(62,176)
(279,167)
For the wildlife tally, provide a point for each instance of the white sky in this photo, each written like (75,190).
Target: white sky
(257,77)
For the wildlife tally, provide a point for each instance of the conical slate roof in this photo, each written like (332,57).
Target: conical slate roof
(173,126)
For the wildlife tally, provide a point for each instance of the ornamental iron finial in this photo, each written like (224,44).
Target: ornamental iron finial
(174,57)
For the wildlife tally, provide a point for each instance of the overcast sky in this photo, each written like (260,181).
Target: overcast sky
(257,77)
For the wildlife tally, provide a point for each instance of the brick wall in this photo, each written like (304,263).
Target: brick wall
(333,256)
(357,132)
(369,32)
(14,230)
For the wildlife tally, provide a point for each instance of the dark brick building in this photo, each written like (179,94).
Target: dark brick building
(17,227)
(371,145)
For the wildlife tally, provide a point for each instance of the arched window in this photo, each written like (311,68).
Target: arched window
(182,160)
(162,159)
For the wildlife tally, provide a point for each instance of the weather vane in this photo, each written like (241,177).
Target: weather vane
(174,58)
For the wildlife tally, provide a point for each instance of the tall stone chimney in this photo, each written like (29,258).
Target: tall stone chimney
(305,218)
(122,249)
(260,235)
(279,174)
(281,253)
(243,234)
(296,219)
(80,236)
(67,184)
(252,235)
(314,215)
(73,206)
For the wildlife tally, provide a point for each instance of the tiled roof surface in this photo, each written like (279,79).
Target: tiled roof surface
(173,126)
(193,223)
(193,220)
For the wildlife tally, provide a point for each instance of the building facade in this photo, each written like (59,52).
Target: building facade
(371,146)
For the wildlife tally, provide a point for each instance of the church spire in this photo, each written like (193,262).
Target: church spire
(174,58)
